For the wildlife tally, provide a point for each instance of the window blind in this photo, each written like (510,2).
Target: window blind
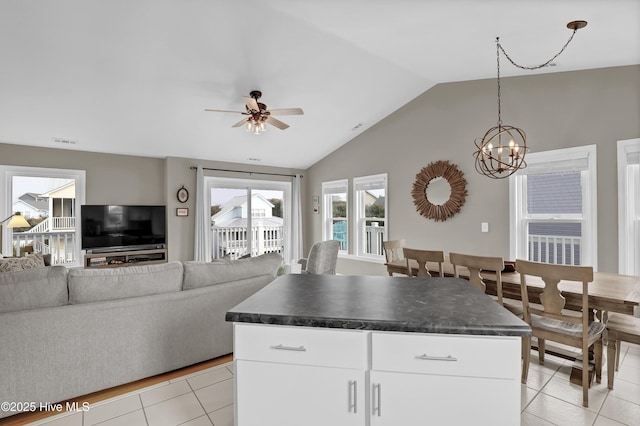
(368,184)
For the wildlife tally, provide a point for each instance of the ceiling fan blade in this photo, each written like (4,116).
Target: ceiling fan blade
(251,103)
(275,122)
(240,123)
(286,111)
(224,110)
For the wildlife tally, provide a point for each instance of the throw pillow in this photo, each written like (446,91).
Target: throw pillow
(13,264)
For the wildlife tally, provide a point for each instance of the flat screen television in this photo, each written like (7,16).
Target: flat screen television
(115,228)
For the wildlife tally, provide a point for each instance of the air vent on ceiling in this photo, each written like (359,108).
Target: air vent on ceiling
(65,141)
(357,126)
(254,159)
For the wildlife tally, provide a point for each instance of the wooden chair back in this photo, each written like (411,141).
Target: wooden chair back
(475,264)
(422,257)
(552,322)
(393,250)
(551,298)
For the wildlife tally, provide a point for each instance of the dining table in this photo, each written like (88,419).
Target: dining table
(608,292)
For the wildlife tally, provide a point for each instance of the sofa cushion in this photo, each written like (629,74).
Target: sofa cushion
(96,285)
(203,274)
(11,264)
(33,288)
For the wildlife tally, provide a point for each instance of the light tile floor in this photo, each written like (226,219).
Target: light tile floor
(206,398)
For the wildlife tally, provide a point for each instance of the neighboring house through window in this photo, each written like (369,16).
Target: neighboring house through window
(553,207)
(370,199)
(629,207)
(48,198)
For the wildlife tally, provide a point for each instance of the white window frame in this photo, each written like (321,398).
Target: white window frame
(360,236)
(7,173)
(329,188)
(212,182)
(560,159)
(628,208)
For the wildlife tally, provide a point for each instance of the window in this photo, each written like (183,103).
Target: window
(334,213)
(49,199)
(553,207)
(370,214)
(249,217)
(629,207)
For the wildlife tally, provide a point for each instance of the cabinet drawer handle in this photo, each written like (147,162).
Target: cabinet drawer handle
(375,399)
(353,396)
(290,348)
(436,358)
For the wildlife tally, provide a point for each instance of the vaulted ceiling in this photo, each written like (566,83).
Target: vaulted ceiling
(135,76)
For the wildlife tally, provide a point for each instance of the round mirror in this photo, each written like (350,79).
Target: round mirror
(438,191)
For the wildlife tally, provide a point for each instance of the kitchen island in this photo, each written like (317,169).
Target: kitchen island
(366,350)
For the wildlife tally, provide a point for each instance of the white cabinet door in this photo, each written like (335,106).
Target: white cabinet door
(271,394)
(425,399)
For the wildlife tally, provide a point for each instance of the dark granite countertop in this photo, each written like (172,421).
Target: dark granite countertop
(423,305)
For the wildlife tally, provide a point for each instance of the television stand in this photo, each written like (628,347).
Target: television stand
(125,258)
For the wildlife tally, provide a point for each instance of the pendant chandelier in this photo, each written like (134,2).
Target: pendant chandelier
(501,151)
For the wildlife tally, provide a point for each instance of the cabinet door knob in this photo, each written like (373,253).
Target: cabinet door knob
(436,358)
(290,348)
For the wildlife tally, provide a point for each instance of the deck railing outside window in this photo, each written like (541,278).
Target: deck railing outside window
(561,250)
(375,236)
(60,245)
(232,241)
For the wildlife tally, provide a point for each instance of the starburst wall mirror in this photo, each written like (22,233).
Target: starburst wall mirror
(439,190)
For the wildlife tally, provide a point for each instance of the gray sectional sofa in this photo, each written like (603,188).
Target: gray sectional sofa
(66,333)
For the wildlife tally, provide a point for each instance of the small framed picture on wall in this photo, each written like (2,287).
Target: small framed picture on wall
(182,211)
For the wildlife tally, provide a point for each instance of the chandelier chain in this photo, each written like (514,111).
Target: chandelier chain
(501,151)
(498,67)
(541,65)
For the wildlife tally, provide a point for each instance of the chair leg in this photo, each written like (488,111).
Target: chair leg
(618,342)
(585,378)
(526,354)
(541,348)
(612,353)
(597,354)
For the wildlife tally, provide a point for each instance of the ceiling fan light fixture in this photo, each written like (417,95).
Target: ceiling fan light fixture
(257,115)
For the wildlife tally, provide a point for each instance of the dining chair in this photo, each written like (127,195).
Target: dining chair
(476,264)
(552,322)
(421,257)
(393,251)
(620,328)
(322,259)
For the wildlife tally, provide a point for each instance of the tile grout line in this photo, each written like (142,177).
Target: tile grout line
(199,402)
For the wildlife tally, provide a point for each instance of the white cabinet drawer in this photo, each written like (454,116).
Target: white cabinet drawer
(452,355)
(301,345)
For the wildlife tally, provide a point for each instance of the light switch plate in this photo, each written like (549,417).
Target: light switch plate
(485,227)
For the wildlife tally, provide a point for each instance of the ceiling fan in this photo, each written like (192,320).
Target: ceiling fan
(258,115)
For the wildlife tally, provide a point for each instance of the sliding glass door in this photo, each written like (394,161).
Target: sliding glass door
(249,217)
